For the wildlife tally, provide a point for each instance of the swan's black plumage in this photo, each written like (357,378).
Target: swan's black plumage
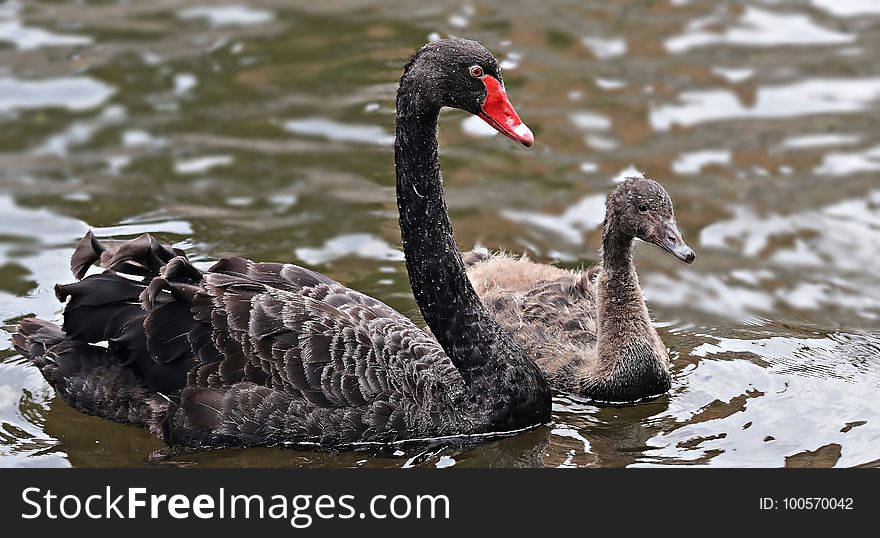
(250,353)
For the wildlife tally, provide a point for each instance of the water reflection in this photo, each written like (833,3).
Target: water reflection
(587,214)
(263,129)
(360,245)
(848,8)
(736,398)
(72,93)
(756,28)
(603,48)
(227,15)
(200,165)
(24,37)
(693,161)
(841,163)
(367,134)
(817,96)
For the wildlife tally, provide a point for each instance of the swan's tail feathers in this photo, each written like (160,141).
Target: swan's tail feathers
(140,305)
(140,257)
(87,377)
(34,338)
(124,343)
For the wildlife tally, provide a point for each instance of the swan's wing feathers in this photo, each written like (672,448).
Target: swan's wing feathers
(294,330)
(293,352)
(270,324)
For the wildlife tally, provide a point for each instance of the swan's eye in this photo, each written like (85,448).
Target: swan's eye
(476,71)
(643,208)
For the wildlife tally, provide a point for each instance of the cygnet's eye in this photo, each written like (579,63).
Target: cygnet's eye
(476,71)
(643,208)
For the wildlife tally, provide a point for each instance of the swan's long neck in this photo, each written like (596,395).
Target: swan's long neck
(488,358)
(632,359)
(439,281)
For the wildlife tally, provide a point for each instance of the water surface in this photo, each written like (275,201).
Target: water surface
(264,129)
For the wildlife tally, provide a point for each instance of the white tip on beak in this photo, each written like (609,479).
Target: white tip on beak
(525,134)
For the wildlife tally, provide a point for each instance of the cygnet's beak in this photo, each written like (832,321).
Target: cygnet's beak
(668,237)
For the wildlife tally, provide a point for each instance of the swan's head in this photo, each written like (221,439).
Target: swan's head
(460,73)
(642,208)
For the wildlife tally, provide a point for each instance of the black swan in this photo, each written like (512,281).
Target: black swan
(589,331)
(248,354)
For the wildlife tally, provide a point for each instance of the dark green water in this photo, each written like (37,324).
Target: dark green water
(265,131)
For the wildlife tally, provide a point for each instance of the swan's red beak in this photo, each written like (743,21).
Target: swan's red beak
(497,111)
